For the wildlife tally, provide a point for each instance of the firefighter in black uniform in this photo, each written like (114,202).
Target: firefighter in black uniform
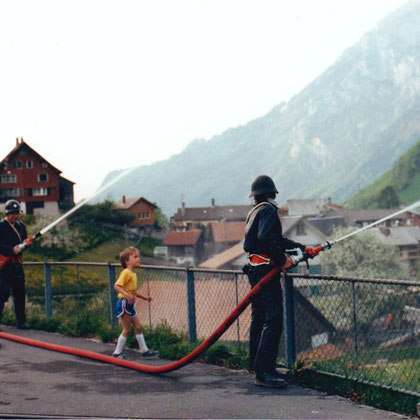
(265,245)
(12,234)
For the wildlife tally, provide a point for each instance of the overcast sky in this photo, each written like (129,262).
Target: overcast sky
(95,86)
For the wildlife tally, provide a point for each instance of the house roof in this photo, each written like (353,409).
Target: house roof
(320,225)
(224,257)
(312,309)
(188,237)
(126,203)
(66,180)
(287,222)
(415,211)
(326,224)
(353,216)
(180,225)
(305,207)
(399,236)
(228,231)
(21,144)
(212,213)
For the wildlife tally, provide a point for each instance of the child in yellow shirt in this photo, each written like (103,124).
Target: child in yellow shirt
(126,287)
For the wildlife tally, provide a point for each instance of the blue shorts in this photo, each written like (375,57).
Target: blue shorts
(123,305)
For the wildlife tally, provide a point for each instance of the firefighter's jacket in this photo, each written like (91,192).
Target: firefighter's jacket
(263,234)
(10,236)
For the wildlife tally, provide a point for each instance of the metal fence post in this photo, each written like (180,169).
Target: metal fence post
(356,338)
(78,290)
(192,329)
(112,294)
(48,289)
(238,329)
(148,294)
(289,321)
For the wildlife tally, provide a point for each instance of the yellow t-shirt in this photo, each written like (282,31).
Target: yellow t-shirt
(128,281)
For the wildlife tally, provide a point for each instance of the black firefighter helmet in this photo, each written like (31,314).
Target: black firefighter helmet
(263,184)
(12,206)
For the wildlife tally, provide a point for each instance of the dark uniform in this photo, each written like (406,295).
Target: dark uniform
(265,245)
(12,275)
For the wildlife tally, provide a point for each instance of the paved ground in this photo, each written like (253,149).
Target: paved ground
(39,383)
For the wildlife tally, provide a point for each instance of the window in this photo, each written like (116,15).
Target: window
(36,192)
(29,164)
(11,192)
(300,228)
(17,164)
(144,215)
(44,164)
(8,179)
(42,177)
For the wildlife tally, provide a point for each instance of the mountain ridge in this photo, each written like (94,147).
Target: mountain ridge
(338,134)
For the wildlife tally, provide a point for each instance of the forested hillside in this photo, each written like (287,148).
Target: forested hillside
(400,185)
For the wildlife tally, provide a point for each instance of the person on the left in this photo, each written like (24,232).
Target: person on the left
(12,276)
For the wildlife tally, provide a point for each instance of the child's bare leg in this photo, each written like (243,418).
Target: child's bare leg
(137,325)
(126,324)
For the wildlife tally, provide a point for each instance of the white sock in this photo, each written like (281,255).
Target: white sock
(120,344)
(142,343)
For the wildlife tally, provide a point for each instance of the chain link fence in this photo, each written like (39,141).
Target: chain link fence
(363,329)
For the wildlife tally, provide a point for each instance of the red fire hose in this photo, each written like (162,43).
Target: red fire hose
(147,368)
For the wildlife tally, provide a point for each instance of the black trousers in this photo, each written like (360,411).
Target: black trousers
(266,321)
(12,277)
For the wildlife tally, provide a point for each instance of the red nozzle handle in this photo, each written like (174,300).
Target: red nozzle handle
(318,249)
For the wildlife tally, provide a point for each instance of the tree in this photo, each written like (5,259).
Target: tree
(61,239)
(365,256)
(388,198)
(362,255)
(160,218)
(103,212)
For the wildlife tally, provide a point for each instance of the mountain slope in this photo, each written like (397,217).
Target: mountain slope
(336,136)
(403,178)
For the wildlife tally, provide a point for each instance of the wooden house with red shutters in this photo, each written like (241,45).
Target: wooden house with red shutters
(33,181)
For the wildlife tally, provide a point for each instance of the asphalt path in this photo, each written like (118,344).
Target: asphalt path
(38,383)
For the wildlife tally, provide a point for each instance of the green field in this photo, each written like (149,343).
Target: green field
(109,251)
(106,252)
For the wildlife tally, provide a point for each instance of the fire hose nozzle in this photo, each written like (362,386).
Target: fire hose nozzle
(328,244)
(28,242)
(295,254)
(298,256)
(21,246)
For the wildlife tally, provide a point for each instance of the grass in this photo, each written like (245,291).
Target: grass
(109,251)
(400,369)
(106,252)
(410,194)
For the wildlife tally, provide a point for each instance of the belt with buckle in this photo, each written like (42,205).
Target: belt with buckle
(259,259)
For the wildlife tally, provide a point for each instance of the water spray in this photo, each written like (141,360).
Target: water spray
(304,256)
(212,338)
(22,246)
(83,202)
